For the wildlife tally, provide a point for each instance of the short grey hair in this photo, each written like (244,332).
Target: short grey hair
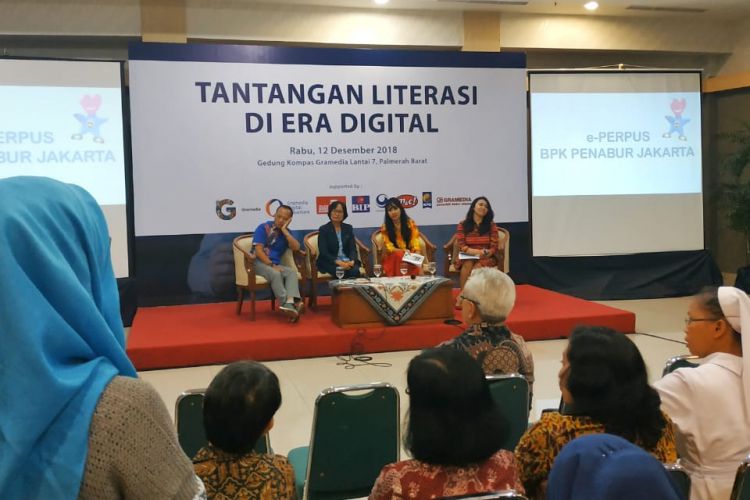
(493,290)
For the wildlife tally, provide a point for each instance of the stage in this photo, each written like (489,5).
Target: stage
(193,335)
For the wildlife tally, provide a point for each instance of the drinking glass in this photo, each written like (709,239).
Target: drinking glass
(431,268)
(404,268)
(377,270)
(339,272)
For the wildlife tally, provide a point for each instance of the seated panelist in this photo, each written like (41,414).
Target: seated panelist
(400,234)
(270,240)
(336,244)
(477,235)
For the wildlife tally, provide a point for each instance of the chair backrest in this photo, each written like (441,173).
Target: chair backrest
(354,435)
(741,488)
(494,495)
(511,394)
(426,248)
(684,361)
(188,419)
(680,477)
(242,244)
(311,244)
(504,249)
(377,246)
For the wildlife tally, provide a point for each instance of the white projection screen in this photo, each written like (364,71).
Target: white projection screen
(615,162)
(64,119)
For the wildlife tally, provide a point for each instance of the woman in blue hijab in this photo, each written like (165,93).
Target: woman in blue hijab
(75,422)
(608,467)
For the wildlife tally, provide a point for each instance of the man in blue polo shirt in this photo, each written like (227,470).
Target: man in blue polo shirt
(271,240)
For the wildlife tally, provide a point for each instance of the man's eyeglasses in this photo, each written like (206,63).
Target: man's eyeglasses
(464,297)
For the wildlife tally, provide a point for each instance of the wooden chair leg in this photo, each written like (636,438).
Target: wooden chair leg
(240,298)
(313,301)
(252,305)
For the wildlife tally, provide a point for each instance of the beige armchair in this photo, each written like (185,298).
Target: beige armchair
(246,279)
(502,255)
(426,248)
(311,245)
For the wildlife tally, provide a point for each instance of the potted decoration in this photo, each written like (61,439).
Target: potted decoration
(736,193)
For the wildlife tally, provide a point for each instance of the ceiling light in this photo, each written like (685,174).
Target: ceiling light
(381,2)
(591,5)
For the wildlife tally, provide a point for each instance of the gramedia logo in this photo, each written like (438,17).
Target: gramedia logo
(381,199)
(225,210)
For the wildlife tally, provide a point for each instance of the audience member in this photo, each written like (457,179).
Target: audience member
(238,410)
(400,234)
(604,384)
(710,404)
(271,239)
(607,467)
(336,244)
(74,419)
(454,432)
(489,296)
(476,236)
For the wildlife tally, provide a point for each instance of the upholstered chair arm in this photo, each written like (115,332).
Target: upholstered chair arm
(364,256)
(300,257)
(448,254)
(429,248)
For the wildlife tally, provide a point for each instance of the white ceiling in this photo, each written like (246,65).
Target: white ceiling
(714,9)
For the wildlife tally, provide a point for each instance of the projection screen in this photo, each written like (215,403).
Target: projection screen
(615,162)
(64,119)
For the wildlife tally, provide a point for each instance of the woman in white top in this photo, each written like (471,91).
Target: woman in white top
(710,404)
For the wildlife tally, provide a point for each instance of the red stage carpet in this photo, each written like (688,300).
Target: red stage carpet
(191,335)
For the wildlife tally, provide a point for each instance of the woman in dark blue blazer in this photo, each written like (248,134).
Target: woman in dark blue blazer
(336,246)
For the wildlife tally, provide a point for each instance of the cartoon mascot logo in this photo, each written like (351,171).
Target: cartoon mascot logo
(90,123)
(677,122)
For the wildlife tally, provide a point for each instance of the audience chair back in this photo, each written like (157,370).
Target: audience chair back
(680,477)
(188,419)
(511,395)
(355,433)
(451,250)
(684,361)
(494,495)
(426,248)
(311,266)
(246,278)
(741,488)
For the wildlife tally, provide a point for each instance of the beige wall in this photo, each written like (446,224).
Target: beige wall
(616,33)
(70,18)
(243,20)
(102,28)
(739,61)
(227,20)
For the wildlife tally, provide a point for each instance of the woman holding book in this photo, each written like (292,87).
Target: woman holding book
(477,239)
(400,234)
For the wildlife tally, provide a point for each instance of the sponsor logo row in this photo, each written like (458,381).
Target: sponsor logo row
(226,210)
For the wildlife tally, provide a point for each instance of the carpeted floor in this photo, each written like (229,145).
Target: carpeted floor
(191,335)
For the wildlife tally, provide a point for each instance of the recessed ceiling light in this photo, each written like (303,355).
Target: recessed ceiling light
(591,5)
(381,2)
